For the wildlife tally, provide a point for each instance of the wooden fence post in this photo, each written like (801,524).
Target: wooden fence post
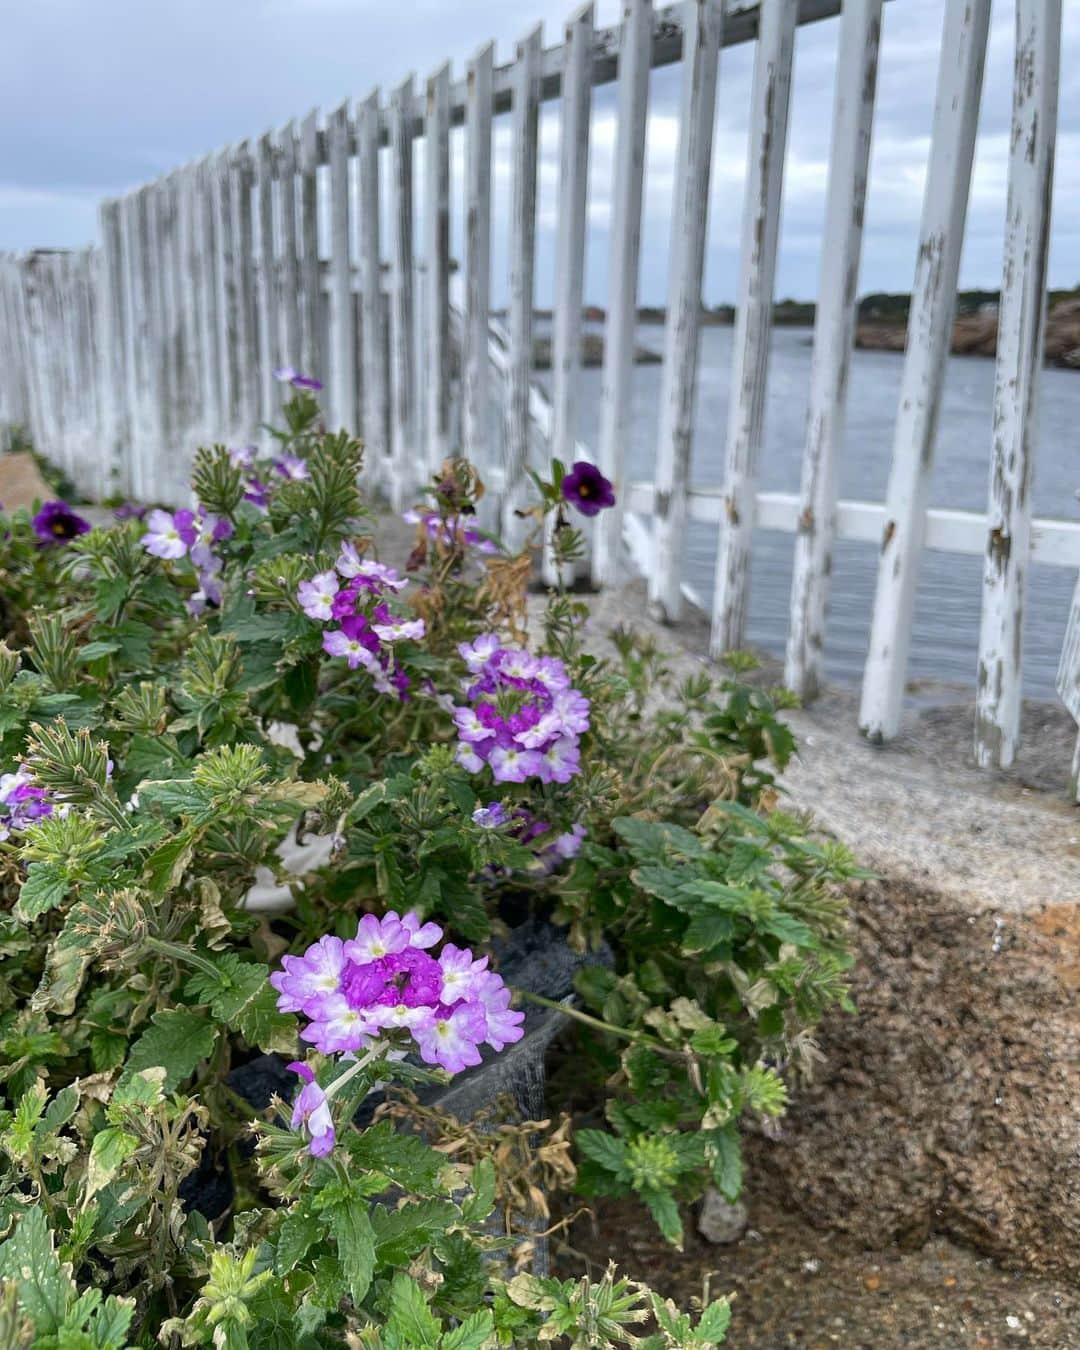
(437,266)
(1021,339)
(371,303)
(525,80)
(690,204)
(635,41)
(475,359)
(834,332)
(930,321)
(404,449)
(769,102)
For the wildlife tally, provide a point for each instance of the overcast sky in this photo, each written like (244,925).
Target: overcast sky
(98,97)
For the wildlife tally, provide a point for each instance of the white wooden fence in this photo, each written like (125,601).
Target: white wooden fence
(120,359)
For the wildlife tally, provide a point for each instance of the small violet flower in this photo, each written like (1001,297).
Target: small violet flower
(289,375)
(169,534)
(311,1112)
(57,523)
(586,489)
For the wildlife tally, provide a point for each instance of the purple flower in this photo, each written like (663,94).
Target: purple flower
(503,1024)
(560,761)
(21,801)
(338,643)
(461,973)
(289,375)
(376,939)
(316,597)
(392,629)
(257,493)
(168,534)
(511,764)
(308,978)
(56,523)
(311,1113)
(243,456)
(452,1037)
(292,466)
(129,511)
(490,817)
(586,488)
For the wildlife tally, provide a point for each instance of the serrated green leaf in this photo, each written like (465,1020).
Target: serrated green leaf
(713,1324)
(604,1149)
(94,651)
(351,1229)
(662,1206)
(482,1200)
(725,1147)
(299,1232)
(176,1041)
(45,887)
(473,1334)
(410,1317)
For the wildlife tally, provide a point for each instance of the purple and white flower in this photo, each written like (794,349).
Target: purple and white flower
(169,534)
(316,597)
(311,1113)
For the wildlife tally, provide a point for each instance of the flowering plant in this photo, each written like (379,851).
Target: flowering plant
(255,773)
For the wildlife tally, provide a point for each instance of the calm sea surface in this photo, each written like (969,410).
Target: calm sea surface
(946,625)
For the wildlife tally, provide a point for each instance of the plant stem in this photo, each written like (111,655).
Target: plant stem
(183,954)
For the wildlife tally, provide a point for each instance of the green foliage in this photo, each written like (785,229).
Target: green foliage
(198,754)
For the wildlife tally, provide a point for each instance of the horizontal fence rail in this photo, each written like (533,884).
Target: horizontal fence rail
(319,246)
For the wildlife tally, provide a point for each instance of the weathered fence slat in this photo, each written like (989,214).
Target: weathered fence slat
(209,302)
(834,331)
(190,296)
(226,282)
(475,363)
(623,260)
(930,321)
(268,289)
(373,346)
(701,46)
(311,347)
(342,309)
(115,423)
(403,447)
(770,99)
(526,121)
(177,398)
(570,238)
(1021,333)
(437,266)
(291,349)
(247,317)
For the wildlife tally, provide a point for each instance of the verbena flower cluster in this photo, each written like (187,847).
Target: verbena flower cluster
(385,980)
(355,596)
(526,828)
(21,802)
(522,718)
(191,534)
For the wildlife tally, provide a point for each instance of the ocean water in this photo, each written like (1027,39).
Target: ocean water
(946,624)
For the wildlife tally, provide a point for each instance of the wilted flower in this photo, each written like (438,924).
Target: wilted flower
(586,488)
(56,523)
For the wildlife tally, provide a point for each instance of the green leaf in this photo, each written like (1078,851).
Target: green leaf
(45,887)
(166,866)
(111,1148)
(29,1259)
(789,929)
(473,1334)
(714,1323)
(94,651)
(410,1317)
(401,1233)
(176,1041)
(604,1149)
(241,996)
(299,1232)
(662,1206)
(352,1231)
(482,1201)
(725,1148)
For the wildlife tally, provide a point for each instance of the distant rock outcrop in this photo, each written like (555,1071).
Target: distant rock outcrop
(592,352)
(976,335)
